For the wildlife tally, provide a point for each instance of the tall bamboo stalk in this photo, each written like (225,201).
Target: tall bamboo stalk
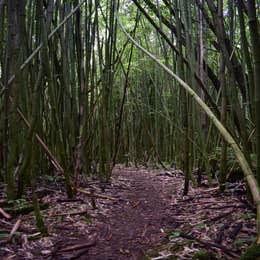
(223,131)
(255,41)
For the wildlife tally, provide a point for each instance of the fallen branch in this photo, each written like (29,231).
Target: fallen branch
(69,200)
(25,209)
(69,213)
(223,215)
(207,243)
(6,215)
(135,204)
(100,196)
(5,223)
(162,257)
(10,236)
(79,254)
(228,206)
(78,247)
(210,190)
(14,229)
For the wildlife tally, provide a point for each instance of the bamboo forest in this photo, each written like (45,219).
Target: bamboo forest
(130,129)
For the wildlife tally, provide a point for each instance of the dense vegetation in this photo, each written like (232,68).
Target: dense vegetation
(78,94)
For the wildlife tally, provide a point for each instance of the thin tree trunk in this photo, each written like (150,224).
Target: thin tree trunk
(6,100)
(247,58)
(223,161)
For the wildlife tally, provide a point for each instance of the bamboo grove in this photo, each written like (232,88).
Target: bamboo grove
(78,97)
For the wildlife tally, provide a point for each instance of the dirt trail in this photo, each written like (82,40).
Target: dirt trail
(149,213)
(137,222)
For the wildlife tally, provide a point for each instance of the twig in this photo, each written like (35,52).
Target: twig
(144,231)
(90,194)
(78,247)
(69,213)
(69,200)
(15,228)
(79,254)
(5,222)
(162,257)
(136,204)
(6,215)
(221,216)
(229,206)
(226,250)
(210,190)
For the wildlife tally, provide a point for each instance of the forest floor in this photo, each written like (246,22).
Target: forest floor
(143,215)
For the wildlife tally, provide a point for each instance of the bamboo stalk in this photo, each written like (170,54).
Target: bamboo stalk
(254,33)
(29,59)
(222,130)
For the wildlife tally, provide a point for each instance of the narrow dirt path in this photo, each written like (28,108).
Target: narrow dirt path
(149,213)
(137,222)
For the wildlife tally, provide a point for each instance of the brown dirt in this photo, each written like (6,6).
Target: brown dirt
(137,223)
(149,213)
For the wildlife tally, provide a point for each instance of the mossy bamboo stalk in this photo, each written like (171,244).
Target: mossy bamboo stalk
(36,51)
(6,100)
(184,96)
(255,41)
(223,162)
(247,58)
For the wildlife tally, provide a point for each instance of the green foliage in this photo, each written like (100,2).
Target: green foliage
(242,242)
(3,235)
(252,253)
(53,178)
(231,160)
(21,206)
(201,225)
(174,235)
(246,215)
(88,219)
(253,157)
(19,203)
(204,255)
(232,164)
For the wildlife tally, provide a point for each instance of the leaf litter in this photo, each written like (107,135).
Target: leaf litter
(141,214)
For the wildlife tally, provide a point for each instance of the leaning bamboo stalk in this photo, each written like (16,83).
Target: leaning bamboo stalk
(255,41)
(223,131)
(52,158)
